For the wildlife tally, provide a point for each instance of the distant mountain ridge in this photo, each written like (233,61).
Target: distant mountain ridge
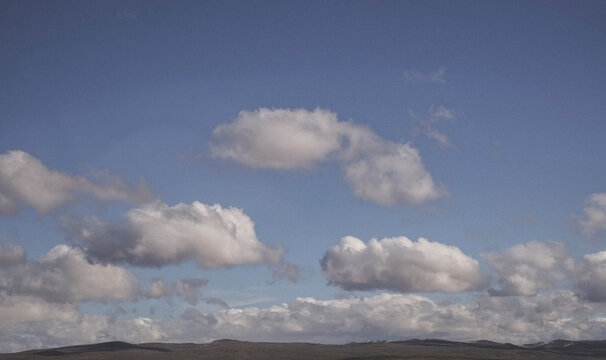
(378,349)
(561,346)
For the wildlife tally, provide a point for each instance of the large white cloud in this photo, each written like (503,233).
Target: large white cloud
(379,170)
(278,138)
(527,269)
(157,234)
(384,316)
(400,264)
(24,179)
(590,276)
(593,221)
(64,274)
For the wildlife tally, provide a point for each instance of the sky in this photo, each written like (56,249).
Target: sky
(185,171)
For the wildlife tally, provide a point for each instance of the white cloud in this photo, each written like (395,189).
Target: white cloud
(415,76)
(75,329)
(157,234)
(527,269)
(590,277)
(400,264)
(395,176)
(65,275)
(381,171)
(24,179)
(278,138)
(384,316)
(396,317)
(593,221)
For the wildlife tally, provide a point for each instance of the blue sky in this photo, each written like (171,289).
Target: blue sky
(476,125)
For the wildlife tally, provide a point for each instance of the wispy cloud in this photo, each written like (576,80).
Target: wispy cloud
(428,125)
(415,76)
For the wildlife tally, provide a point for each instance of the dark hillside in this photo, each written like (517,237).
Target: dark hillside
(410,350)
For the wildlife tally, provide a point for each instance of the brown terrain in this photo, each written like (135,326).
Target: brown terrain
(410,350)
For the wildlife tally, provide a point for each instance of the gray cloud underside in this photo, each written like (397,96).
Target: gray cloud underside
(25,180)
(590,277)
(378,170)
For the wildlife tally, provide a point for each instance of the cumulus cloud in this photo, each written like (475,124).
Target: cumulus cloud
(379,170)
(394,176)
(593,221)
(415,76)
(400,264)
(157,234)
(25,180)
(189,289)
(278,138)
(64,274)
(590,277)
(527,269)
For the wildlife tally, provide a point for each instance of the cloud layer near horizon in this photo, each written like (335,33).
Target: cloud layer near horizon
(560,314)
(400,264)
(378,170)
